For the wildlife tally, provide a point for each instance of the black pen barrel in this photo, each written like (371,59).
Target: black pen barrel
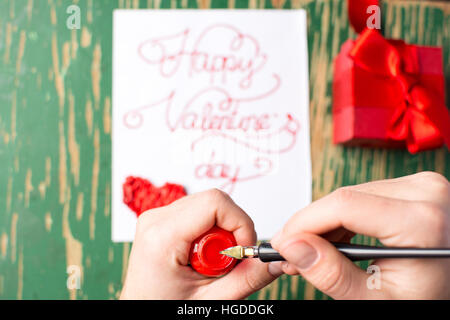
(267,254)
(360,252)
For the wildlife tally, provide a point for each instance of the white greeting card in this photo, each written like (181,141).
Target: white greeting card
(212,99)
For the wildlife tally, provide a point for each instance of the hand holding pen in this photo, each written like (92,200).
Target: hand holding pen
(412,211)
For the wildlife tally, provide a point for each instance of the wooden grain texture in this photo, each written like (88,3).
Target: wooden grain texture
(55,136)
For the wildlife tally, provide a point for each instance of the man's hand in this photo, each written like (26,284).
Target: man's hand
(412,211)
(158,267)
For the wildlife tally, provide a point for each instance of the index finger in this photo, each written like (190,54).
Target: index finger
(196,214)
(368,214)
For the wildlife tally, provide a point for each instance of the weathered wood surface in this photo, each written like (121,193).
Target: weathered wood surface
(55,136)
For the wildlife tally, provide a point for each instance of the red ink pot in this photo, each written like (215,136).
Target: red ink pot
(204,255)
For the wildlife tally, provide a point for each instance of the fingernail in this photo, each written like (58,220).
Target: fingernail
(275,237)
(301,254)
(275,269)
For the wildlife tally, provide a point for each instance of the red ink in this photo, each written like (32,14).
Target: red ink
(165,59)
(134,119)
(234,60)
(141,195)
(232,174)
(291,128)
(215,112)
(205,256)
(207,100)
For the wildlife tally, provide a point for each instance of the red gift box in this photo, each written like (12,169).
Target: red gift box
(387,94)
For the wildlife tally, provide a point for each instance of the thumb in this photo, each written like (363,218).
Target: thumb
(246,278)
(321,264)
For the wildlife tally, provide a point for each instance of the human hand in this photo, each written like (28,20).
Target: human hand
(412,211)
(158,266)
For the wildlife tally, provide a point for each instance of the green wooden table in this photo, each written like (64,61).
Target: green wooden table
(55,136)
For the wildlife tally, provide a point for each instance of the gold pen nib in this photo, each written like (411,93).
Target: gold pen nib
(234,252)
(239,252)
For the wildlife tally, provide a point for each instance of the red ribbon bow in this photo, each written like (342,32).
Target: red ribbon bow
(421,117)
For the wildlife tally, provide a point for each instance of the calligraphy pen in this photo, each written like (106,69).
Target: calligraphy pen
(354,252)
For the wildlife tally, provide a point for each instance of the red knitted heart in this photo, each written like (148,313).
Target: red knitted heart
(141,195)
